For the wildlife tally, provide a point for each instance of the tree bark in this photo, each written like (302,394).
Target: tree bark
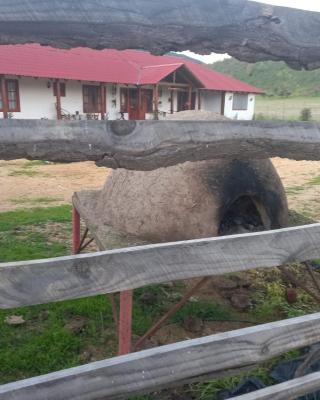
(247,30)
(147,145)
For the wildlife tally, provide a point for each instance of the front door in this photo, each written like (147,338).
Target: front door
(134,112)
(136,102)
(146,102)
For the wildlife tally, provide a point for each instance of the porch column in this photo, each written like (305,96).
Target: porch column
(155,102)
(58,98)
(199,99)
(102,100)
(4,97)
(140,102)
(190,97)
(171,101)
(223,101)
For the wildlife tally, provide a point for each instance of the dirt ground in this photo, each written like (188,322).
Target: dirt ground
(34,184)
(301,180)
(27,184)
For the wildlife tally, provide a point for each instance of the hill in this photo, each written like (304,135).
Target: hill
(275,78)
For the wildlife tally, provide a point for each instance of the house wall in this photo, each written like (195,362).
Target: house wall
(242,114)
(37,101)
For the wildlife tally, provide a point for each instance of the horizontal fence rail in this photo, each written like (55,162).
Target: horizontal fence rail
(289,390)
(156,368)
(147,145)
(42,281)
(241,28)
(152,369)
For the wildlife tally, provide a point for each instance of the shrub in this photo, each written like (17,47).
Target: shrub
(305,114)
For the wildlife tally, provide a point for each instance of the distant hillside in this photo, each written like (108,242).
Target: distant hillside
(275,78)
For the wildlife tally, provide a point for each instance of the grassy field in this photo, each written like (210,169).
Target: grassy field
(287,108)
(66,334)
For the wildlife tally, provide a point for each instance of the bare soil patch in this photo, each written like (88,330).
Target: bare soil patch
(26,184)
(301,180)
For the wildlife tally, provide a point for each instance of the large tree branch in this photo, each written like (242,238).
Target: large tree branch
(247,30)
(147,145)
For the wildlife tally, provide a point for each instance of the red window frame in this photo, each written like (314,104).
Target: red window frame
(62,89)
(17,107)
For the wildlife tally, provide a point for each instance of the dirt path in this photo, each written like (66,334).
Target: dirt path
(35,184)
(32,184)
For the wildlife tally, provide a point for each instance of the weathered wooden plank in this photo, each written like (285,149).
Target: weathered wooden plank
(43,281)
(247,30)
(147,145)
(155,368)
(286,391)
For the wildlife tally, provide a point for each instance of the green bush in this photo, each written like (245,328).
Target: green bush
(305,114)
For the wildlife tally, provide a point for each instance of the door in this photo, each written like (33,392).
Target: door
(146,105)
(134,104)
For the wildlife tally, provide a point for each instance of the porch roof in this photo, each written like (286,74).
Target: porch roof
(109,66)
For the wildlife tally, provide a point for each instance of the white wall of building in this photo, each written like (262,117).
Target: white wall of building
(239,114)
(37,101)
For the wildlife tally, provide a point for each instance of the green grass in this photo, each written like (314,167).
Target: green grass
(205,311)
(15,219)
(294,190)
(280,108)
(315,181)
(34,201)
(27,169)
(45,344)
(24,172)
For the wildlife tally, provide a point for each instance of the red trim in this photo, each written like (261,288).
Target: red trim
(17,108)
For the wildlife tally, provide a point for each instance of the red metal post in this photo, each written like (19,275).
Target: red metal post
(125,322)
(76,239)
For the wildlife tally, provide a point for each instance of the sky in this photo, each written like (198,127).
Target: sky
(312,5)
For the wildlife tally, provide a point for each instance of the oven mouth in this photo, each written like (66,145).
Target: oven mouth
(244,215)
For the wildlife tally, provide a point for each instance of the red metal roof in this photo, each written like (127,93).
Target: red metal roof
(113,66)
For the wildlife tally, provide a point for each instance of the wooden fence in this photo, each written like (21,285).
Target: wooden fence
(117,270)
(149,145)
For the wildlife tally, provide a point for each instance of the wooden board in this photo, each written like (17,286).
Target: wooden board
(247,30)
(147,145)
(42,281)
(286,391)
(152,369)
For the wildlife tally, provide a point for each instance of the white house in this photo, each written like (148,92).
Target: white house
(40,82)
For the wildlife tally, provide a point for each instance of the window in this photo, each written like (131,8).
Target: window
(92,99)
(240,102)
(124,100)
(62,89)
(12,90)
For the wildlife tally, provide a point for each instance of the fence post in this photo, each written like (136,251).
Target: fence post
(75,230)
(125,322)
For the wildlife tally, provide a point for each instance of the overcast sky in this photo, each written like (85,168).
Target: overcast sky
(313,5)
